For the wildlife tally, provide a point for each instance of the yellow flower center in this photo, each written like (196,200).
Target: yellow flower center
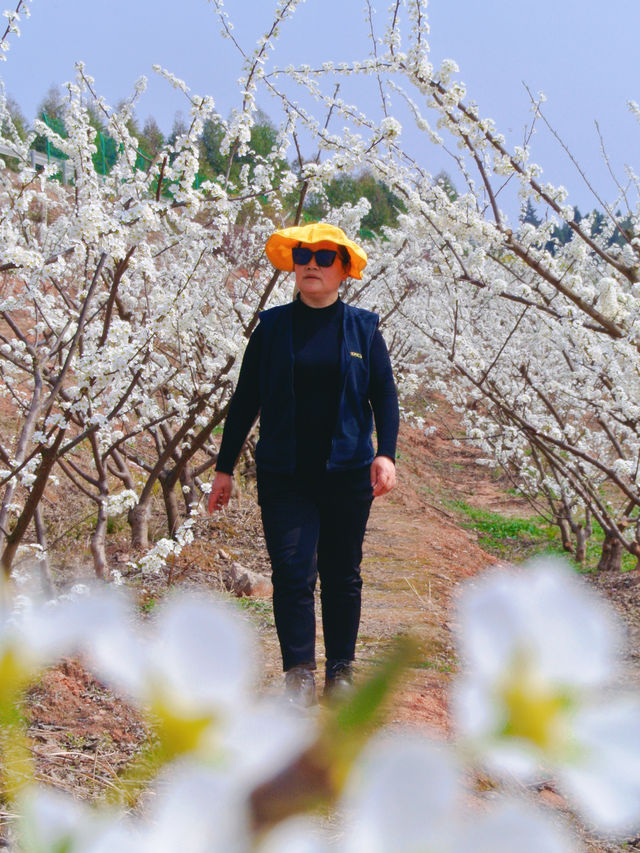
(179,730)
(14,676)
(533,710)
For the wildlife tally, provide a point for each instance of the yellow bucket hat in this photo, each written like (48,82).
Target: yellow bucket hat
(281,242)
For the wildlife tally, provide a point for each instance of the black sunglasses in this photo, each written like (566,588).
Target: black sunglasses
(324,257)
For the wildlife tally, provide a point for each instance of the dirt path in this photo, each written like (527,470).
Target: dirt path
(415,558)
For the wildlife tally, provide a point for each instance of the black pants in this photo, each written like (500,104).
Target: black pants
(314,525)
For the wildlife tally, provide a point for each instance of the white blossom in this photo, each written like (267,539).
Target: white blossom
(531,700)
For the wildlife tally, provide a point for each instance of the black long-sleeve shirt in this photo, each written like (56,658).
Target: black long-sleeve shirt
(317,338)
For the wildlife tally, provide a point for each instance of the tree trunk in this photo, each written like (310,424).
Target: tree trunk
(20,454)
(14,538)
(170,503)
(170,477)
(582,537)
(611,557)
(189,491)
(138,518)
(122,471)
(98,543)
(48,587)
(565,534)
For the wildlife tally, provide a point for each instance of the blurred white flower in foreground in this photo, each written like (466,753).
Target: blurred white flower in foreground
(403,795)
(193,667)
(299,835)
(514,825)
(195,655)
(406,794)
(35,634)
(52,822)
(192,662)
(540,650)
(194,810)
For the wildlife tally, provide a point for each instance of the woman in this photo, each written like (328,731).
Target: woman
(314,369)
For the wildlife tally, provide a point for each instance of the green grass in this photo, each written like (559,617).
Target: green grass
(258,606)
(116,523)
(519,539)
(438,666)
(594,550)
(500,534)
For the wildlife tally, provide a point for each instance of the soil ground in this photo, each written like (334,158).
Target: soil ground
(416,556)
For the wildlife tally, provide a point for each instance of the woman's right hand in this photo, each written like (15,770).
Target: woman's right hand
(220,491)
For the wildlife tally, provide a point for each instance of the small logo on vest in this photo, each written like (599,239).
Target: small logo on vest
(356,354)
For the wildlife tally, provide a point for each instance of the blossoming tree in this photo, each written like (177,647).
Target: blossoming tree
(126,301)
(534,340)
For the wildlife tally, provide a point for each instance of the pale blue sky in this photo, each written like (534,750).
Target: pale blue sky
(581,53)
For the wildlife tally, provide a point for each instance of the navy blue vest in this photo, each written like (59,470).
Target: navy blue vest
(351,446)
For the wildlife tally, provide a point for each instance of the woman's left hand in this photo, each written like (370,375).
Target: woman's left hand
(383,475)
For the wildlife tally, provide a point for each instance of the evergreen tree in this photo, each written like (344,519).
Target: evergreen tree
(214,164)
(20,124)
(598,222)
(562,234)
(349,189)
(17,117)
(51,111)
(179,128)
(626,225)
(151,139)
(443,179)
(529,216)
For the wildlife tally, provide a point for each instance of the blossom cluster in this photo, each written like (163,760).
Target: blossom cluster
(161,279)
(128,302)
(533,339)
(529,705)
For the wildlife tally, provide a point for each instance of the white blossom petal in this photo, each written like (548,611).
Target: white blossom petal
(403,795)
(513,825)
(604,781)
